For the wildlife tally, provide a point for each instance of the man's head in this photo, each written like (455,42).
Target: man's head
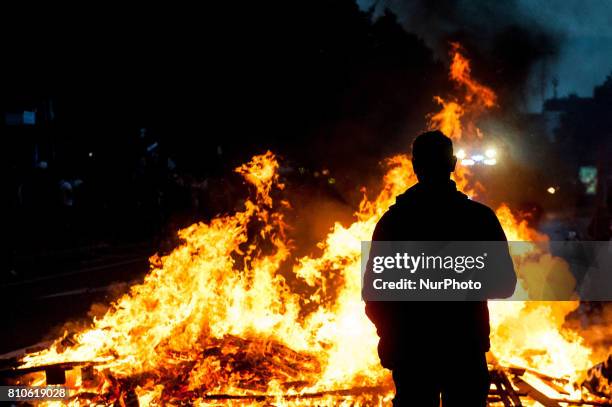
(432,157)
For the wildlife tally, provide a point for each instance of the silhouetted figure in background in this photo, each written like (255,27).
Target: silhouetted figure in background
(437,349)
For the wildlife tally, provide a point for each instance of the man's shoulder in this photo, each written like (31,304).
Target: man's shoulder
(411,204)
(479,207)
(401,210)
(480,211)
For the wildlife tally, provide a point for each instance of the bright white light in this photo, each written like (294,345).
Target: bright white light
(490,161)
(478,157)
(90,154)
(551,190)
(461,154)
(467,162)
(490,152)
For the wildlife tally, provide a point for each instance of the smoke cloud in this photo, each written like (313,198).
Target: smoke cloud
(542,40)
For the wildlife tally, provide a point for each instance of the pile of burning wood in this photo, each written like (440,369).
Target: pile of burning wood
(510,386)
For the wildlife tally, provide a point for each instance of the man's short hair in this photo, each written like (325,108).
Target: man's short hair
(432,146)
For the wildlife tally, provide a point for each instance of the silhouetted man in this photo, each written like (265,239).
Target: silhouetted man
(437,349)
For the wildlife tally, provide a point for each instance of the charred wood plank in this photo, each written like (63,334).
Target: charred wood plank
(584,403)
(16,372)
(506,392)
(534,393)
(355,391)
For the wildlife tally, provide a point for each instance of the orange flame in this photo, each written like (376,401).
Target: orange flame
(219,301)
(475,99)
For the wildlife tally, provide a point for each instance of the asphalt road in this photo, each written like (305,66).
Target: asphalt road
(37,302)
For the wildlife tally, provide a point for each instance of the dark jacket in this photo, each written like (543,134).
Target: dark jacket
(435,213)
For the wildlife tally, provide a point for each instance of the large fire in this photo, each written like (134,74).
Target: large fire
(231,316)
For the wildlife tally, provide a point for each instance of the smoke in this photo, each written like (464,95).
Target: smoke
(593,320)
(510,47)
(568,40)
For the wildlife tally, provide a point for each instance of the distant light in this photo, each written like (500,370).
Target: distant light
(325,172)
(478,157)
(490,161)
(467,162)
(461,154)
(29,117)
(491,153)
(588,176)
(331,181)
(152,147)
(551,190)
(90,154)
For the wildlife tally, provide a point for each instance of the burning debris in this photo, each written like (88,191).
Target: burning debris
(599,378)
(230,316)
